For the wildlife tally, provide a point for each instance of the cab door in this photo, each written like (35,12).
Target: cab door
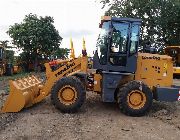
(123,47)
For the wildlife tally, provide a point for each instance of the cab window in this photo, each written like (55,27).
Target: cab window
(119,37)
(119,42)
(134,39)
(102,43)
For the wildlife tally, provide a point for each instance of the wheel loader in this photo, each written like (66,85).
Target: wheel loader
(120,74)
(174,52)
(5,67)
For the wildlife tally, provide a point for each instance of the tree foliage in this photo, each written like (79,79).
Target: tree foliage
(61,53)
(35,36)
(4,43)
(160,18)
(8,55)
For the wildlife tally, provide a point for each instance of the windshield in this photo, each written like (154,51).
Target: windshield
(102,43)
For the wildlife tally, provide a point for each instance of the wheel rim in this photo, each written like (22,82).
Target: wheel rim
(136,99)
(67,95)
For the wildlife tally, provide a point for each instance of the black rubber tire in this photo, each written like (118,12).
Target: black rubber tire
(122,98)
(81,78)
(81,94)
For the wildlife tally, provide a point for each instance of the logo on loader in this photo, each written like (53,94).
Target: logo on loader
(65,69)
(151,57)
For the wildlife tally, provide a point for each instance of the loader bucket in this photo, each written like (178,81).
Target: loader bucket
(23,93)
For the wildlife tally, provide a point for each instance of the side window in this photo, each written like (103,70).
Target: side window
(118,48)
(102,43)
(119,37)
(134,38)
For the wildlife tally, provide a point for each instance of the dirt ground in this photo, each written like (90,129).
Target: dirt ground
(95,120)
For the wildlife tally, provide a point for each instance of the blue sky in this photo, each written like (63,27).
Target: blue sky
(73,18)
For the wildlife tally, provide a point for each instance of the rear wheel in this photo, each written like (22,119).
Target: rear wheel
(68,94)
(135,98)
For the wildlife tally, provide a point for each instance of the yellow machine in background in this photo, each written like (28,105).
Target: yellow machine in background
(174,52)
(5,67)
(2,61)
(120,74)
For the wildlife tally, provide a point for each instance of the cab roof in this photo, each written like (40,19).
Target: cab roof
(108,18)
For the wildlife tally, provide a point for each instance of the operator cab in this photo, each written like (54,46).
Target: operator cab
(117,45)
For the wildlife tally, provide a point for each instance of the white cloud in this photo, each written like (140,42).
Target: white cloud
(73,18)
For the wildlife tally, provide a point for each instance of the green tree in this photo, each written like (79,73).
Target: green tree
(8,54)
(61,53)
(4,43)
(36,37)
(160,18)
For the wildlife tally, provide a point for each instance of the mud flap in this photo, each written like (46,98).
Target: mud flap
(23,93)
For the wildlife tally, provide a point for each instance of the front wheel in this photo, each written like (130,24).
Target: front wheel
(135,98)
(68,94)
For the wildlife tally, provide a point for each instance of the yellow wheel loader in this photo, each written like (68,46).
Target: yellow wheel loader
(174,52)
(2,62)
(120,74)
(5,67)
